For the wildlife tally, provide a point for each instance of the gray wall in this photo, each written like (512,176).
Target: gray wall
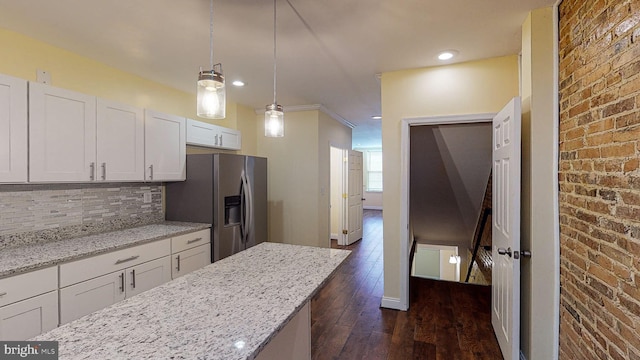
(450,166)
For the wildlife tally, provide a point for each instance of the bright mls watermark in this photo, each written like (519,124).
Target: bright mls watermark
(16,350)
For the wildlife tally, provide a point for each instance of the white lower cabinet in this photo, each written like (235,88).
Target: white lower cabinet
(147,276)
(95,294)
(190,252)
(190,260)
(28,318)
(28,304)
(91,295)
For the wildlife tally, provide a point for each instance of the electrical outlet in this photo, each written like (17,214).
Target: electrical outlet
(43,76)
(147,198)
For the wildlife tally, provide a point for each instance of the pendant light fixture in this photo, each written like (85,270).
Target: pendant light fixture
(211,88)
(274,116)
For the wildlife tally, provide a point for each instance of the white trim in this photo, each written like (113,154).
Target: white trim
(371,207)
(334,236)
(405,241)
(392,303)
(556,166)
(311,107)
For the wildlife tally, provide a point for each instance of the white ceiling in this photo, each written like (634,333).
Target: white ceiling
(329,51)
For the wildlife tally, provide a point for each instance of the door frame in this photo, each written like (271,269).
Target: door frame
(405,233)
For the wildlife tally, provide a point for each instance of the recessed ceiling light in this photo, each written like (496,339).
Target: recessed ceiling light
(238,83)
(447,55)
(376,117)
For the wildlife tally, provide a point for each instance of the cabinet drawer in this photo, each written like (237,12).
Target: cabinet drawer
(188,241)
(27,285)
(28,318)
(81,270)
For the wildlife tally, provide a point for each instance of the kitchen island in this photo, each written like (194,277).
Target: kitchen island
(230,309)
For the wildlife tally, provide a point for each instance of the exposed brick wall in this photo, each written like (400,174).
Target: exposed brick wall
(599,179)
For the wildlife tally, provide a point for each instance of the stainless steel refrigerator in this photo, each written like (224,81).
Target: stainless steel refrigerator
(228,191)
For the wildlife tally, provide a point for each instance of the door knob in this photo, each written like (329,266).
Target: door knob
(502,251)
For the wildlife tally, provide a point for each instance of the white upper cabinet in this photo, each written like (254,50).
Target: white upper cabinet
(165,147)
(204,134)
(62,135)
(230,139)
(120,142)
(13,130)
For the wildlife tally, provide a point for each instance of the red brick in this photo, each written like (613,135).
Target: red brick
(623,150)
(619,107)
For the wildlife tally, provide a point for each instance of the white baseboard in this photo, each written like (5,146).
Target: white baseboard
(334,236)
(392,303)
(371,207)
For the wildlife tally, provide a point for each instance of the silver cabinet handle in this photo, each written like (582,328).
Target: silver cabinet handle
(502,251)
(104,171)
(220,140)
(151,172)
(133,278)
(3,294)
(120,261)
(216,139)
(92,171)
(194,240)
(121,282)
(178,265)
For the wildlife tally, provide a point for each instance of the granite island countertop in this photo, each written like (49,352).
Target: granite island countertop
(227,310)
(31,257)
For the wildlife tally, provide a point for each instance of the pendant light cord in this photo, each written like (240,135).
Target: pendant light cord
(211,34)
(274,52)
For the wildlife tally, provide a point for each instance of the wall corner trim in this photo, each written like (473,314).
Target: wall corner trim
(392,303)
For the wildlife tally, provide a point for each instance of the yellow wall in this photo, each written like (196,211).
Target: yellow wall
(298,173)
(474,87)
(22,55)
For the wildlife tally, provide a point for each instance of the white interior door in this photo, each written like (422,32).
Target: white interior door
(354,196)
(505,299)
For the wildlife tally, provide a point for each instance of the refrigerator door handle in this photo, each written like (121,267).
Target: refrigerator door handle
(242,208)
(248,207)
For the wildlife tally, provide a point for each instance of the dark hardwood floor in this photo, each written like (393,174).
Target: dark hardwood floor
(446,320)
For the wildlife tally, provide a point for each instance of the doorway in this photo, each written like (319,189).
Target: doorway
(345,192)
(449,170)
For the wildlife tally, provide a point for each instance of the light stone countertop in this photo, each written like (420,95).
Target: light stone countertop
(26,258)
(227,310)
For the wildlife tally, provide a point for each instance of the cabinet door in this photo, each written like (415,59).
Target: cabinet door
(165,146)
(190,260)
(230,139)
(62,135)
(91,295)
(120,142)
(148,275)
(28,318)
(202,134)
(13,130)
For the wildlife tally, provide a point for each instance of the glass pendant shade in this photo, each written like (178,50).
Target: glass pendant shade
(274,121)
(211,95)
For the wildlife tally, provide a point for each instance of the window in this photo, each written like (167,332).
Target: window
(373,170)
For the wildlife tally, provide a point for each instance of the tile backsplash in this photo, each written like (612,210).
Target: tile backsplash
(30,213)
